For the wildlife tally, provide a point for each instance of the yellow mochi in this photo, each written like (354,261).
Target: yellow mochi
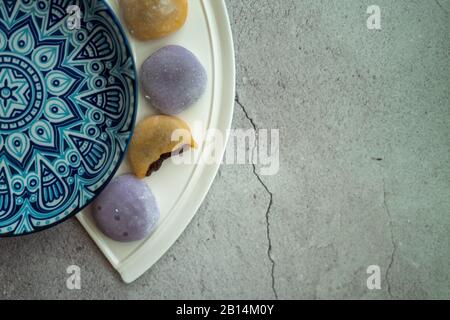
(154,139)
(153,19)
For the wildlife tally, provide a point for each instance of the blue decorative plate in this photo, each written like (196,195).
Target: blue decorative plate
(67,108)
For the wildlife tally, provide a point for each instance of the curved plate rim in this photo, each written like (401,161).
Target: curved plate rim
(147,254)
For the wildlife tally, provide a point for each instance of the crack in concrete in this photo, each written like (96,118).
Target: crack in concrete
(394,245)
(442,7)
(267,215)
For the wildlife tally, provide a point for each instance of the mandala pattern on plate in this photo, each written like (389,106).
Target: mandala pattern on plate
(67,109)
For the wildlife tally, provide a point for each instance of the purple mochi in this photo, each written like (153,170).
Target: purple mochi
(126,210)
(173,79)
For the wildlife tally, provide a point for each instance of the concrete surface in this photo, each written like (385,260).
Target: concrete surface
(364,119)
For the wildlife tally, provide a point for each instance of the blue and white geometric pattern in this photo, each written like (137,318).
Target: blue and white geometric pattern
(67,109)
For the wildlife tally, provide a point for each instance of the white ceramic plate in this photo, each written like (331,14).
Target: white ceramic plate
(180,189)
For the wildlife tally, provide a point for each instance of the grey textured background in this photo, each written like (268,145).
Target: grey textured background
(364,119)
